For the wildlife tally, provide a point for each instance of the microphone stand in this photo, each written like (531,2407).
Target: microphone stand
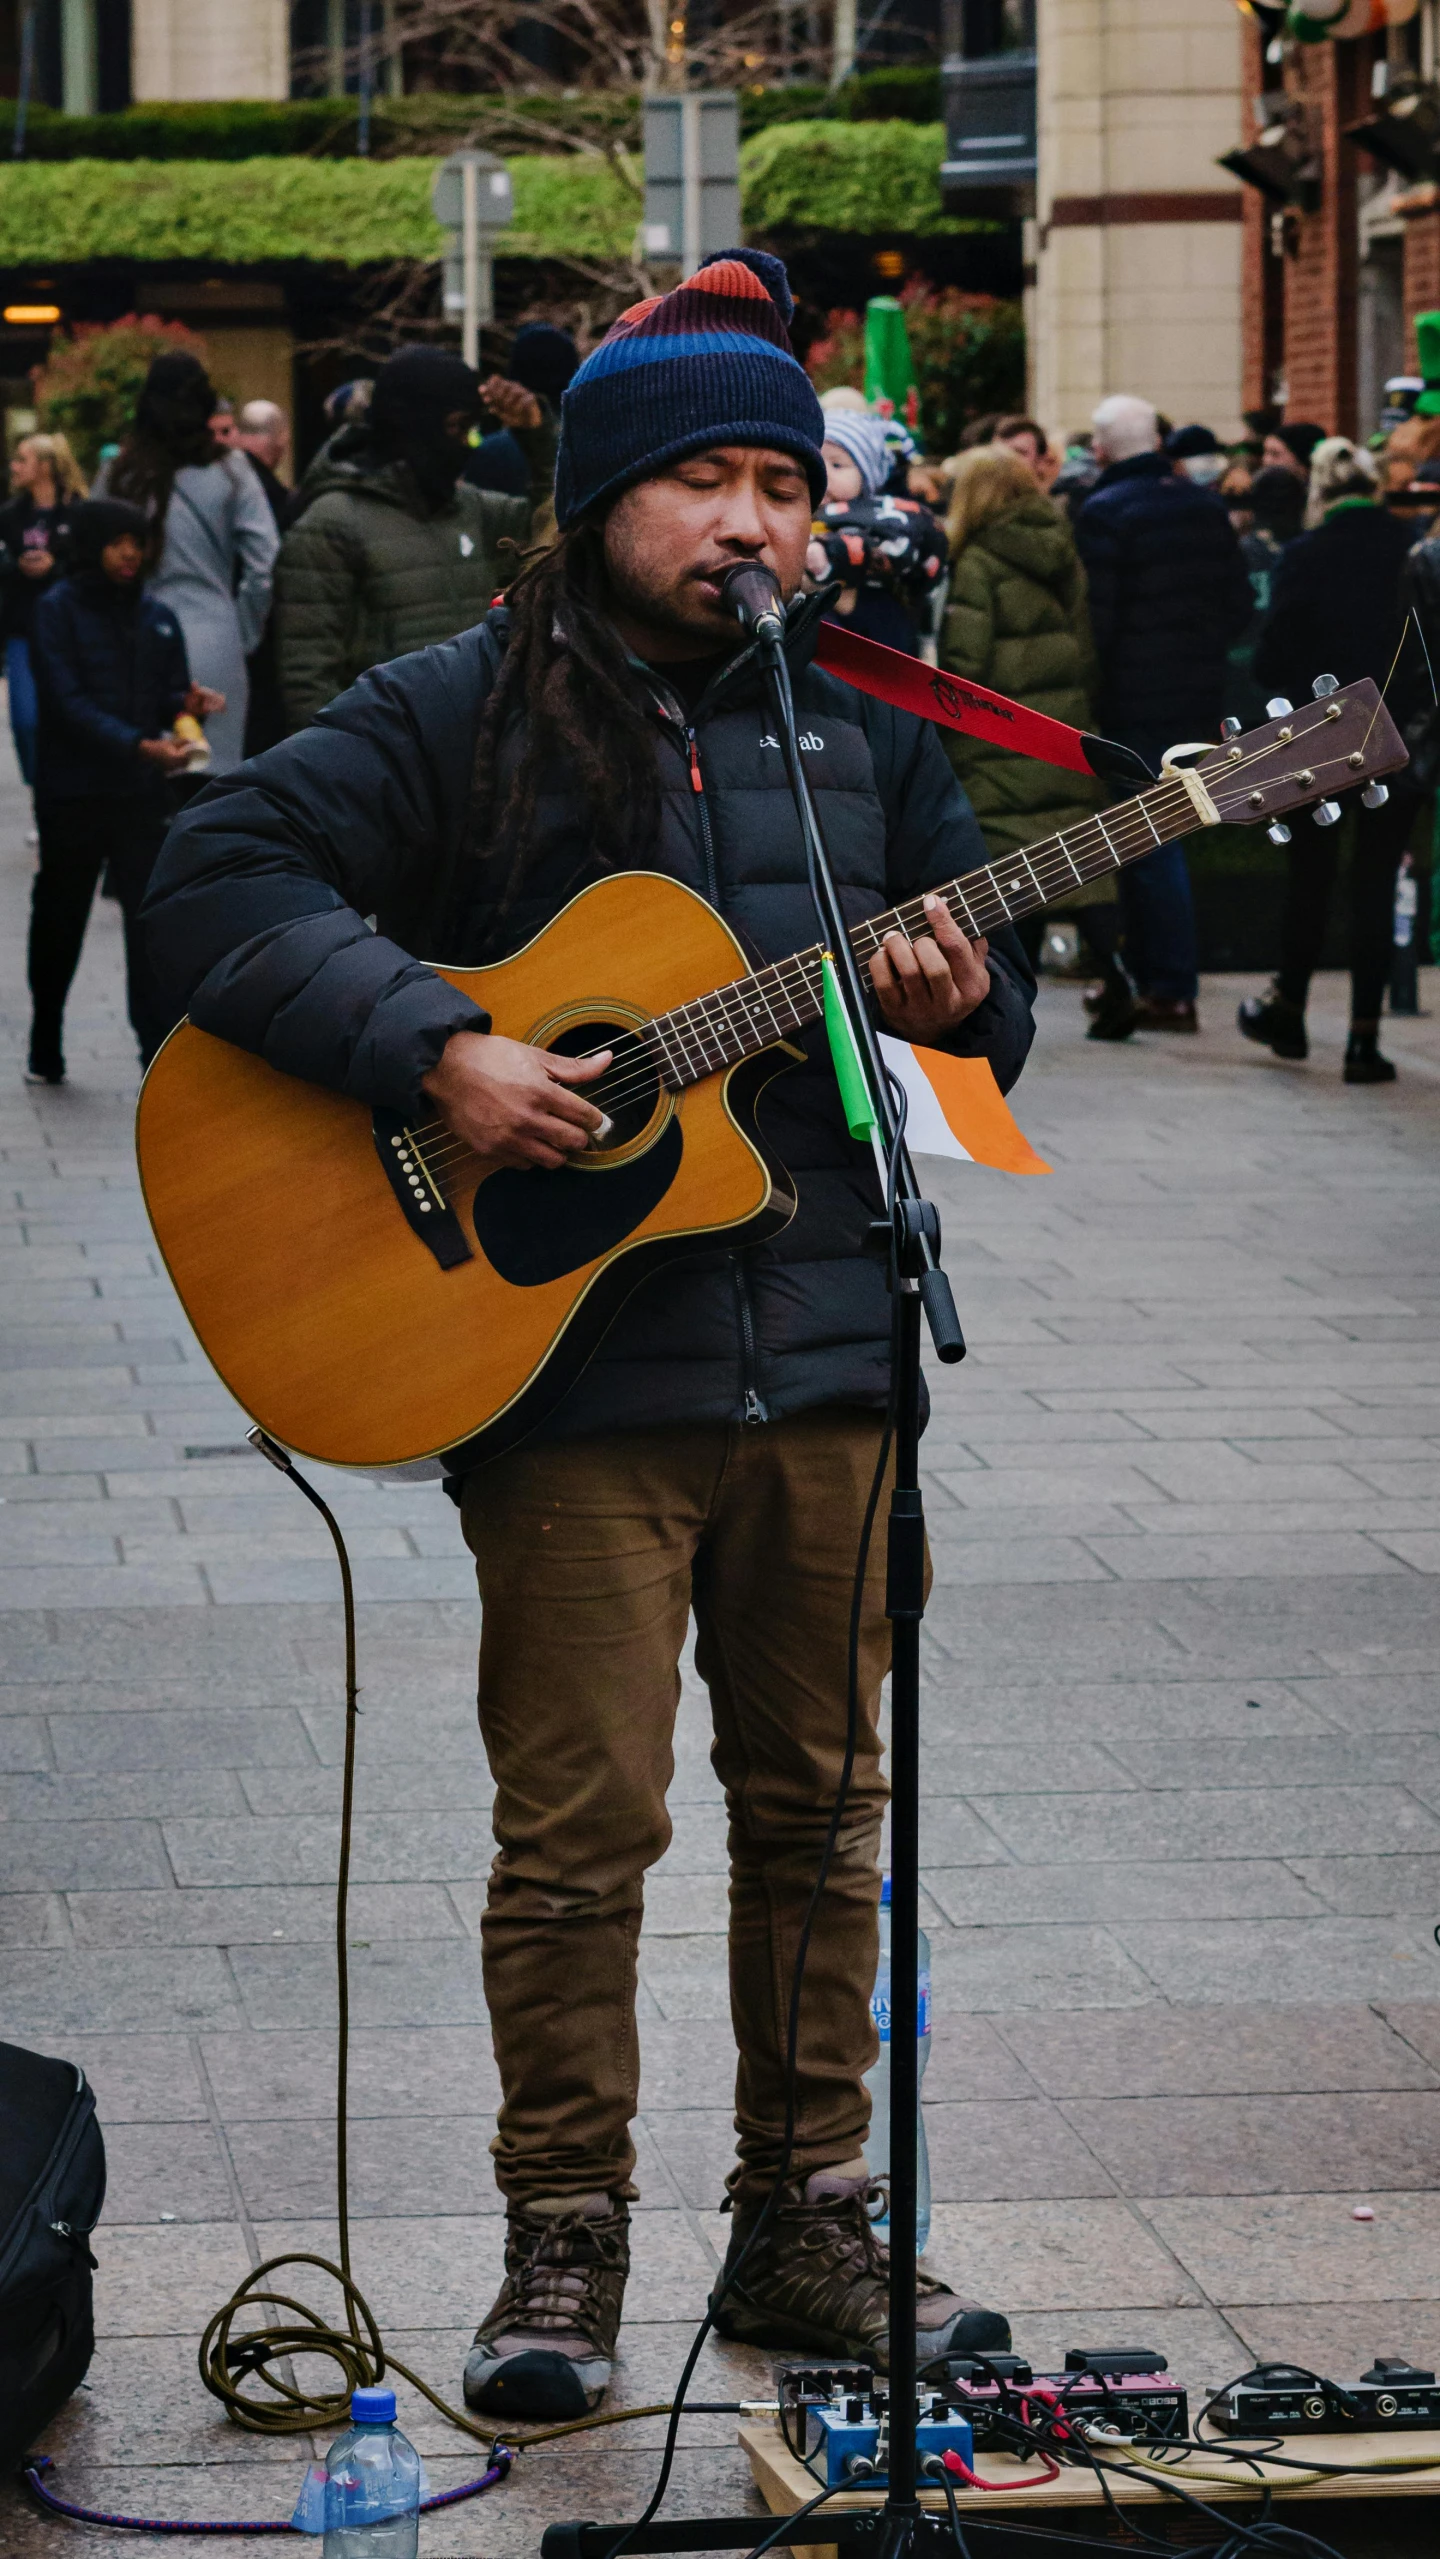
(910,1240)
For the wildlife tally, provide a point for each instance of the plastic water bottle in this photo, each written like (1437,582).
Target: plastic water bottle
(1405,955)
(372,2485)
(877,2149)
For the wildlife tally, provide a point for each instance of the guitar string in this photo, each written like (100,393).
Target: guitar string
(688,1026)
(713,1020)
(980,878)
(800,969)
(694,1025)
(794,984)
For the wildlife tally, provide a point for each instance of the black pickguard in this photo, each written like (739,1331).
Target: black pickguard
(608,1292)
(534,1227)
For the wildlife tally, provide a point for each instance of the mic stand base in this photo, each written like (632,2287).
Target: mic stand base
(873,2532)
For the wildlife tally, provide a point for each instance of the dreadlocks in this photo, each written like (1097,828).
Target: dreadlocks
(563,675)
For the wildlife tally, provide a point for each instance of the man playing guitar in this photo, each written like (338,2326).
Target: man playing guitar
(717,1452)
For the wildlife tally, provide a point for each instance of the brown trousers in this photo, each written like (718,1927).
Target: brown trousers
(590,1554)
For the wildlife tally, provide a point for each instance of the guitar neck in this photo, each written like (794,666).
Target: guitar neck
(737,1021)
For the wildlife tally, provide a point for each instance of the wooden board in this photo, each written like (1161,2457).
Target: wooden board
(785,2483)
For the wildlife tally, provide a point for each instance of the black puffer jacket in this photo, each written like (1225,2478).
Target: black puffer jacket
(255,916)
(1168,594)
(110,669)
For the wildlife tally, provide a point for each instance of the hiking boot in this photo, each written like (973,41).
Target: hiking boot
(1274,1023)
(1166,1013)
(817,2281)
(547,2346)
(1363,1061)
(1112,1005)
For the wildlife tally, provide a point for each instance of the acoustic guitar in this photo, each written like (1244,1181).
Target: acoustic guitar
(373,1293)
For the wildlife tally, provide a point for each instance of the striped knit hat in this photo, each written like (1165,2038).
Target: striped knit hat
(707,364)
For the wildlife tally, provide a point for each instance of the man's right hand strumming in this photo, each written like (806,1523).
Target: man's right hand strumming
(514,1104)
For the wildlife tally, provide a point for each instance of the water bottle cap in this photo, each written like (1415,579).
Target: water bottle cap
(884,1892)
(372,2407)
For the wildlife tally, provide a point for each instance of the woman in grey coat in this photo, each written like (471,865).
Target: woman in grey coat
(217,537)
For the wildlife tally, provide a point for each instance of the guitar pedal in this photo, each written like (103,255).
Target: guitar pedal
(840,2425)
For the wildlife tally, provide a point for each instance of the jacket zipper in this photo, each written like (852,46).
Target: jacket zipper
(707,841)
(755,1407)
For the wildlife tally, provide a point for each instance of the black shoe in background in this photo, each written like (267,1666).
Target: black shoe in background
(1363,1061)
(47,1060)
(1274,1024)
(1114,1009)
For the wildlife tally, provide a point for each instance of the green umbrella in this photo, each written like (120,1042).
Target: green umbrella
(1427,340)
(889,365)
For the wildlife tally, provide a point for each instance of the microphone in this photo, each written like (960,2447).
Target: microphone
(753,595)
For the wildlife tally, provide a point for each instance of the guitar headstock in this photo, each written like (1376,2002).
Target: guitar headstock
(1320,748)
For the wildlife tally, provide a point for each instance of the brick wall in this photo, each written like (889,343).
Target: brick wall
(1422,273)
(1322,261)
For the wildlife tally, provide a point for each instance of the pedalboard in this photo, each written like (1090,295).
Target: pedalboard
(837,2417)
(1393,2397)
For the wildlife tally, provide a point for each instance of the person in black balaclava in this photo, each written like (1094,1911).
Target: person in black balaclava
(423,406)
(389,548)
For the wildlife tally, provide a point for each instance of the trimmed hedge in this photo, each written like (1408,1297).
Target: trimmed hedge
(847,177)
(863,178)
(853,177)
(327,128)
(352,212)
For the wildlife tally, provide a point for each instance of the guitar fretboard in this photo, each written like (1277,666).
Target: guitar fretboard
(737,1021)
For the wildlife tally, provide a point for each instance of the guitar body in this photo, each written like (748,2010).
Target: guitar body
(321,1302)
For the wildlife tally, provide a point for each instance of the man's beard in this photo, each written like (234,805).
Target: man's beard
(665,613)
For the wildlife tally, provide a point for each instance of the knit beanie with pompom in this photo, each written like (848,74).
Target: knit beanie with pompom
(708,364)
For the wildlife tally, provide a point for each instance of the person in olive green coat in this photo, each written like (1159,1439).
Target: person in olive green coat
(1016,620)
(390,549)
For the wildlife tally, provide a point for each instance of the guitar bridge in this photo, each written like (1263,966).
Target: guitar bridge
(427,1211)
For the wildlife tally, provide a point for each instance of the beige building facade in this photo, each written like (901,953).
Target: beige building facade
(1138,235)
(210,49)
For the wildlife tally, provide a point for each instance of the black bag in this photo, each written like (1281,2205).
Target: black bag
(52,2185)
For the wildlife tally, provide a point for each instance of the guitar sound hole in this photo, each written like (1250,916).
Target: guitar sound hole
(628,1091)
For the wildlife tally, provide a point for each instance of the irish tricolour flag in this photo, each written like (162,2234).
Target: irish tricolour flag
(956,1108)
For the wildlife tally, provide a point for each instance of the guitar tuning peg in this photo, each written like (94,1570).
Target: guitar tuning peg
(1277,833)
(1375,795)
(1279,709)
(1324,685)
(1327,814)
(1230,727)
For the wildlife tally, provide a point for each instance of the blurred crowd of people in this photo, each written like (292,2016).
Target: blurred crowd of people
(192,608)
(1147,581)
(1141,581)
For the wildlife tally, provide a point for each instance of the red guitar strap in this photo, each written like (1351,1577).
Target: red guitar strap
(910,685)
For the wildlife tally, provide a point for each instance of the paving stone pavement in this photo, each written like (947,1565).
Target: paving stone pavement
(1182,1760)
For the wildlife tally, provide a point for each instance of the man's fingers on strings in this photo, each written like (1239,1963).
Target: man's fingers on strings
(575,1070)
(901,960)
(946,931)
